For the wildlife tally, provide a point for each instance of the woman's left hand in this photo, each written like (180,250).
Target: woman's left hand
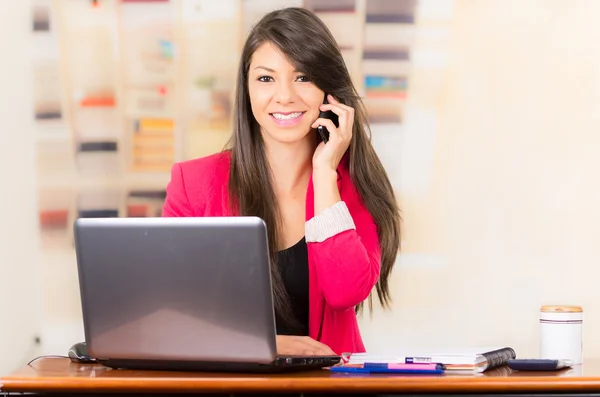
(328,155)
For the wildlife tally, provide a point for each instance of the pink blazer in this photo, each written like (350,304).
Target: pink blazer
(343,269)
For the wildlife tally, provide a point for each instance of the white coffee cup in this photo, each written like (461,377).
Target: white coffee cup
(561,333)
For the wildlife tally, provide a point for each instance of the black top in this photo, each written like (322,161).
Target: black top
(293,266)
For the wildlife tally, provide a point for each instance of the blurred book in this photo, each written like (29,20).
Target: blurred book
(386,11)
(101,146)
(40,16)
(55,206)
(99,213)
(386,87)
(48,111)
(98,101)
(153,144)
(98,157)
(46,90)
(145,203)
(98,204)
(155,126)
(387,53)
(384,109)
(54,219)
(322,6)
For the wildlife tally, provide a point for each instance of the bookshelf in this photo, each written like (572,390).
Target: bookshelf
(375,38)
(47,83)
(339,15)
(388,38)
(211,43)
(124,88)
(120,95)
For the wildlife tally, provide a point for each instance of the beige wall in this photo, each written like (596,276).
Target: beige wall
(19,250)
(508,218)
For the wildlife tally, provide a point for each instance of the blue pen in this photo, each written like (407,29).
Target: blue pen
(411,367)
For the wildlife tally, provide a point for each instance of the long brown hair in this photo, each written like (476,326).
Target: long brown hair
(312,49)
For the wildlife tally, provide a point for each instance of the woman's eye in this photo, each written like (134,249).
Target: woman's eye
(303,79)
(265,79)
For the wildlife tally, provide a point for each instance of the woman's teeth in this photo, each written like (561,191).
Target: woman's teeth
(289,116)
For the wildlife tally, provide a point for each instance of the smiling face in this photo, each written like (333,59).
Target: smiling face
(284,102)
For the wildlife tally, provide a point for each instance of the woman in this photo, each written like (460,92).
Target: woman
(332,219)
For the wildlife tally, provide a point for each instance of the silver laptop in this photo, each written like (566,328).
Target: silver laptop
(180,293)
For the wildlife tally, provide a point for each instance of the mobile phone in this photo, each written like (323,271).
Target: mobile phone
(522,364)
(327,115)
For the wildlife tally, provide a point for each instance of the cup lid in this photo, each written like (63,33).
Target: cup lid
(561,309)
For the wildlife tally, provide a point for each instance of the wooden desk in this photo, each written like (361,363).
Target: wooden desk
(58,375)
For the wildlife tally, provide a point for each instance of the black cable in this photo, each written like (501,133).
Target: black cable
(40,357)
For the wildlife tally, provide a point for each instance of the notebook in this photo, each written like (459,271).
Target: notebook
(454,359)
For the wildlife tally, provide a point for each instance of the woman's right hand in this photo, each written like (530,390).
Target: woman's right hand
(302,345)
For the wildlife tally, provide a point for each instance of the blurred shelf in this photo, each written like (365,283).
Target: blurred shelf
(151,166)
(386,53)
(338,24)
(388,34)
(138,85)
(386,67)
(145,203)
(331,6)
(78,182)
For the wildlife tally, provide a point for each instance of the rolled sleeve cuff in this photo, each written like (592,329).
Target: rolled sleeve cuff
(328,223)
